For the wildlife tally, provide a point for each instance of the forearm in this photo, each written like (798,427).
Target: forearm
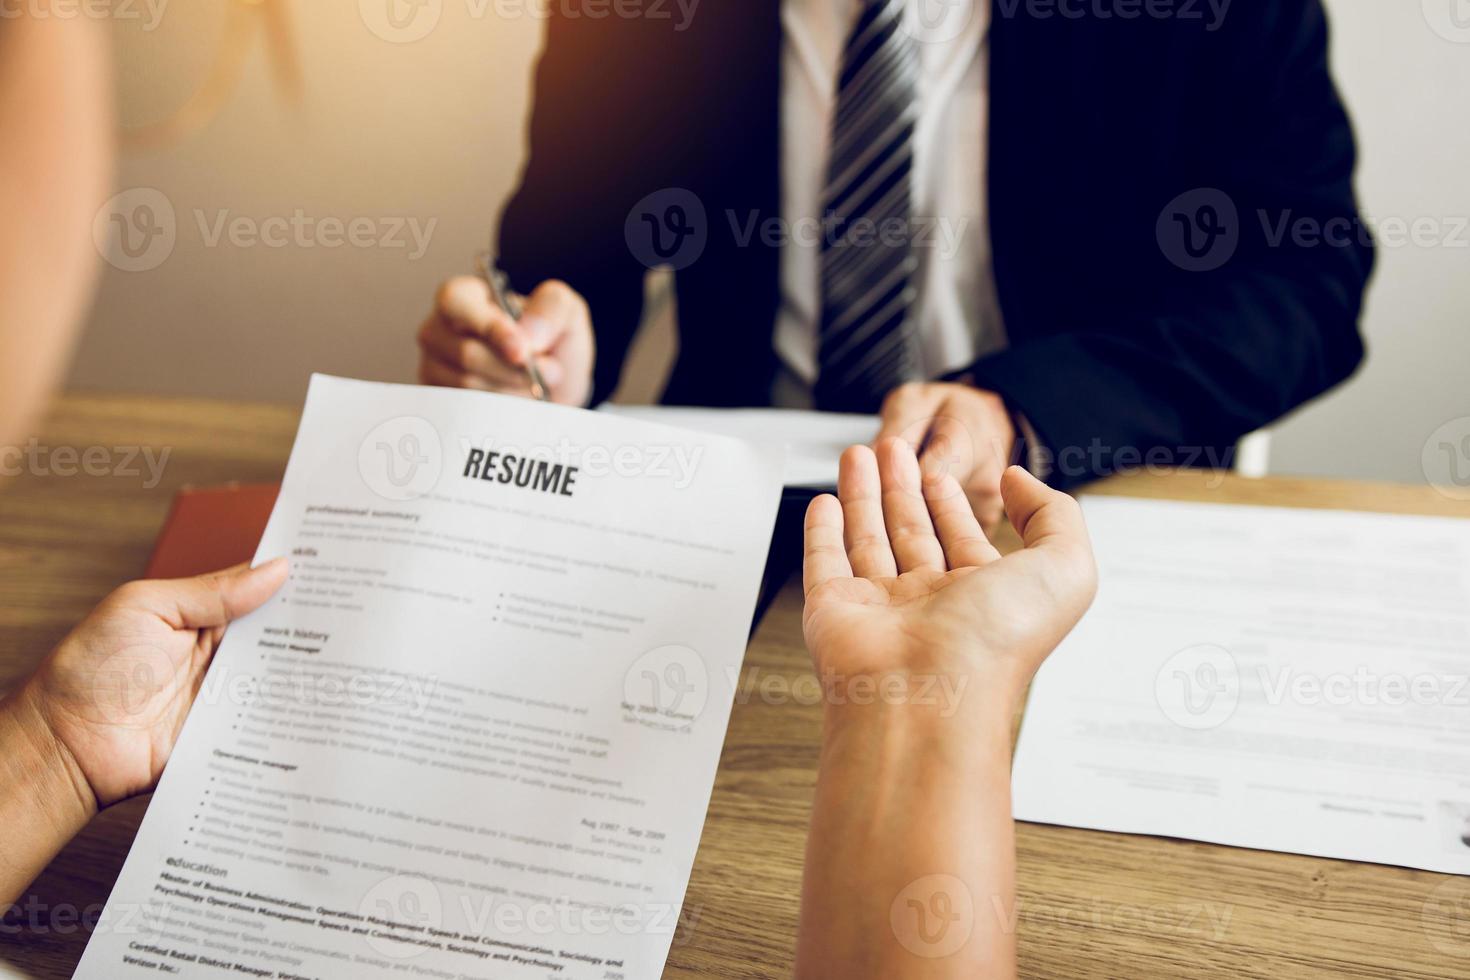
(910,867)
(1101,401)
(44,799)
(54,169)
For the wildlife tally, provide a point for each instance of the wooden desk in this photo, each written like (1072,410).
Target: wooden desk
(1092,905)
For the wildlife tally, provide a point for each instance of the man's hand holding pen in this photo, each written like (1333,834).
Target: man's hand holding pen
(468,341)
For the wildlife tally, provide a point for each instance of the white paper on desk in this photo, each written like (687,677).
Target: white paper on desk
(814,441)
(1284,679)
(476,733)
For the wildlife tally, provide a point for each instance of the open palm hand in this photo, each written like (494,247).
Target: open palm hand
(900,578)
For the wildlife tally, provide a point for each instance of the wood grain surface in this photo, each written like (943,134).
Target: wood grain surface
(1091,905)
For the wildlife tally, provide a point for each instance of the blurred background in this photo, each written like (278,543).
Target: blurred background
(309,232)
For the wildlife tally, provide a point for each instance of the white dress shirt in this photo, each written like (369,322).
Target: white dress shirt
(956,310)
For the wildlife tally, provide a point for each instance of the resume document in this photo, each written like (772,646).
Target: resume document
(1283,679)
(475,733)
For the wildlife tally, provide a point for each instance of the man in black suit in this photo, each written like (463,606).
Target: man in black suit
(1085,234)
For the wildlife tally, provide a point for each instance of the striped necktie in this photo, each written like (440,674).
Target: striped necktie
(866,344)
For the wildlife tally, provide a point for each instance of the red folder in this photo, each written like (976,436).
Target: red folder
(209,528)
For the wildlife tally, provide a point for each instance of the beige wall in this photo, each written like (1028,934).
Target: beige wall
(431,131)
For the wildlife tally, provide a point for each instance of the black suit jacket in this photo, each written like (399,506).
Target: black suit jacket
(1119,348)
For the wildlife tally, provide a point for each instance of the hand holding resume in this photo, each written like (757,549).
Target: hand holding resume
(476,732)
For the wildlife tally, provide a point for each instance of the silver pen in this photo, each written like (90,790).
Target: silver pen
(499,285)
